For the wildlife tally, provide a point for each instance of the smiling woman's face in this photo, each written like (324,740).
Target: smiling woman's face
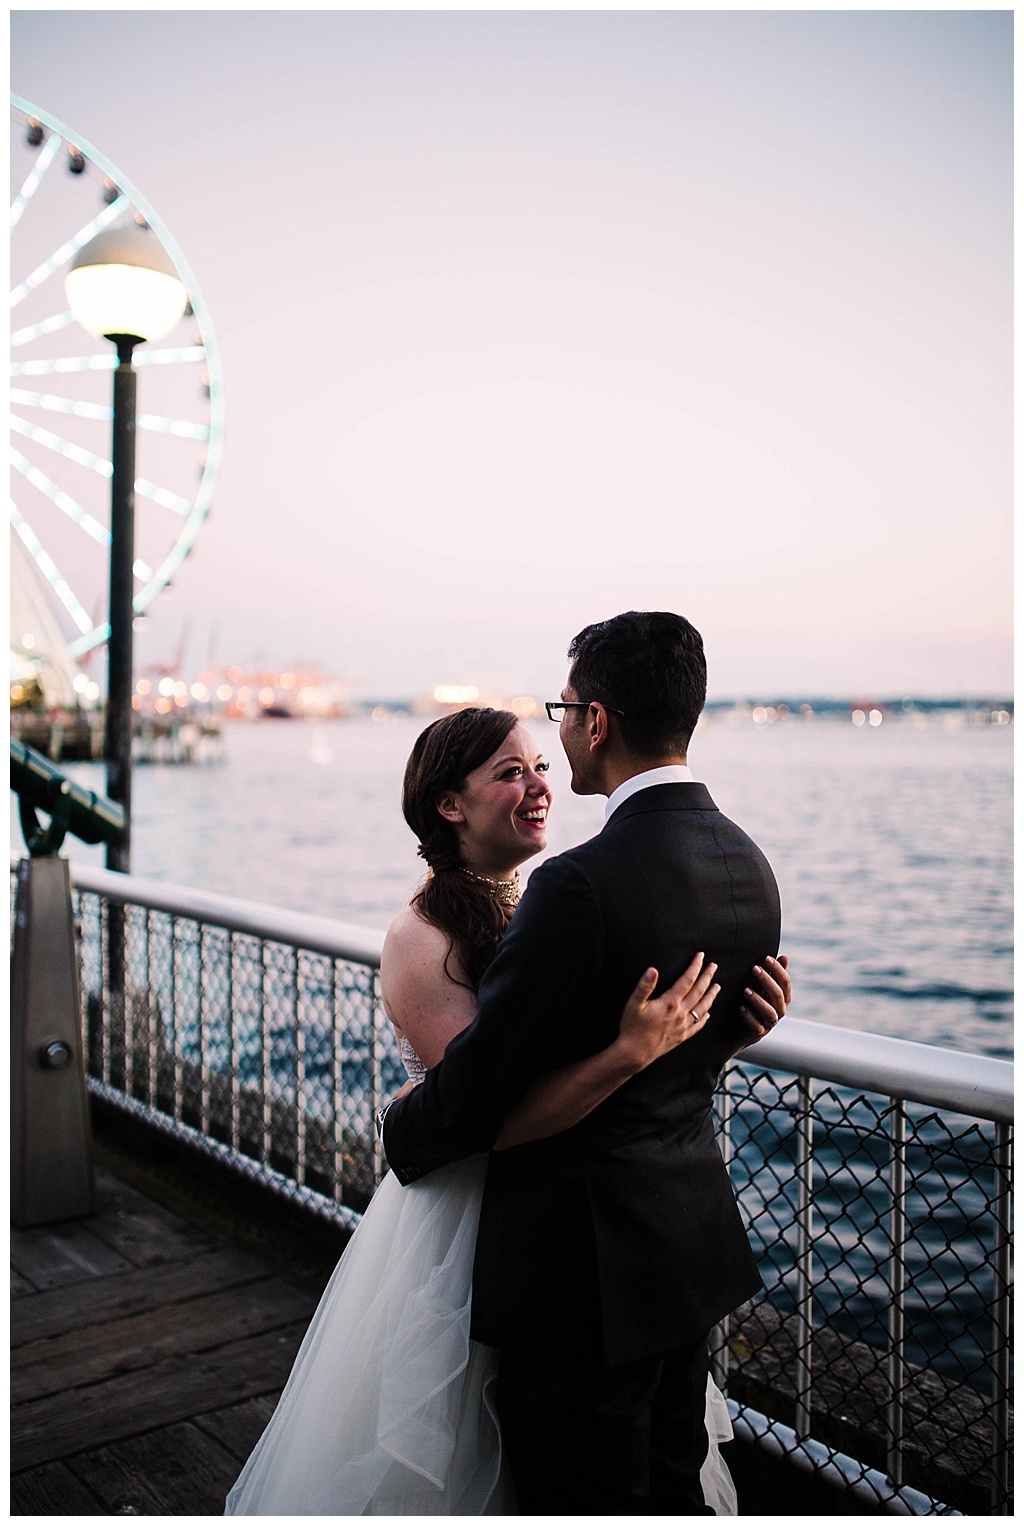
(500,813)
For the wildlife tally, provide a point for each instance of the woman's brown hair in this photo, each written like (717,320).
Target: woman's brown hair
(441,759)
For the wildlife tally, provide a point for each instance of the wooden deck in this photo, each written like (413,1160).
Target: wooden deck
(148,1350)
(151,1340)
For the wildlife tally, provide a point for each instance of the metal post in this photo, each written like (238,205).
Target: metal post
(235,1041)
(300,1070)
(719,1339)
(117,748)
(337,1082)
(118,740)
(130,1019)
(897,1288)
(377,1020)
(266,1042)
(804,1267)
(96,1000)
(51,1173)
(204,1031)
(175,1023)
(152,1018)
(1001,1322)
(99,1057)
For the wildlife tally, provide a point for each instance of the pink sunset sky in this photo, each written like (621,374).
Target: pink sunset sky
(530,317)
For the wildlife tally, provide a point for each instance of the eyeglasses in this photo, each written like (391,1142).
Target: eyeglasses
(554,707)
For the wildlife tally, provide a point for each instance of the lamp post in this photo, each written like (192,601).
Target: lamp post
(122,286)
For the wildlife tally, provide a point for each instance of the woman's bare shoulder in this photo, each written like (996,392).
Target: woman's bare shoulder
(417,964)
(412,938)
(420,996)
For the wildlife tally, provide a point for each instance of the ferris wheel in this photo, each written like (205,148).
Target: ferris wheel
(61,401)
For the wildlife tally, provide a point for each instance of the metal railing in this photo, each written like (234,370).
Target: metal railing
(875,1178)
(255,1033)
(874,1175)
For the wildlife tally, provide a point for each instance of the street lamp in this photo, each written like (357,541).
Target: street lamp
(123,286)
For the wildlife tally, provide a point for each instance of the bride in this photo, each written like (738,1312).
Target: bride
(389,1409)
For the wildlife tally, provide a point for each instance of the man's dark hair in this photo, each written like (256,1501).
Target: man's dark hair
(650,665)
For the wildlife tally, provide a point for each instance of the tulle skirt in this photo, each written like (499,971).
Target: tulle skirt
(389,1409)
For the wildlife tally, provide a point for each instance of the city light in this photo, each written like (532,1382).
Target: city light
(456,694)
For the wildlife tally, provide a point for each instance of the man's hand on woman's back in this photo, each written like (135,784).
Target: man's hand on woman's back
(765,1001)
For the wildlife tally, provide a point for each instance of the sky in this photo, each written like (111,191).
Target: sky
(530,317)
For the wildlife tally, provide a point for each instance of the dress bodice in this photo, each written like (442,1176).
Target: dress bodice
(411,1060)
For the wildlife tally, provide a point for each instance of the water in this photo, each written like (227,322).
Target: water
(951,1182)
(892,848)
(893,853)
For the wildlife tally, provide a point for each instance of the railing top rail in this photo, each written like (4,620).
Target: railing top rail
(321,935)
(973,1084)
(964,1083)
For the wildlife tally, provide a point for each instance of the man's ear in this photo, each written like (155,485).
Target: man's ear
(448,806)
(597,726)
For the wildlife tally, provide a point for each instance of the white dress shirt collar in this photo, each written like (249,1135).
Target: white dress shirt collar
(669,773)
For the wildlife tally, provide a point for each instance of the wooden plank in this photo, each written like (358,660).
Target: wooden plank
(240,1426)
(125,1293)
(98,1352)
(145,1233)
(59,1255)
(20,1286)
(52,1490)
(177,1470)
(63,1425)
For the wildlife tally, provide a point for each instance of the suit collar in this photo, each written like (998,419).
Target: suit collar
(665,797)
(665,773)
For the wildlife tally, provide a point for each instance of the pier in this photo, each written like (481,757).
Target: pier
(148,1350)
(232,1083)
(77,736)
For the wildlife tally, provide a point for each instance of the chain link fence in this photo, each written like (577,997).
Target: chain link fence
(882,1234)
(878,1354)
(278,1054)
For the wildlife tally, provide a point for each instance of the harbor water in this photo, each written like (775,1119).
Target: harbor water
(892,847)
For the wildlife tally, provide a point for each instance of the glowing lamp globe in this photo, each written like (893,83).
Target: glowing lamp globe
(122,282)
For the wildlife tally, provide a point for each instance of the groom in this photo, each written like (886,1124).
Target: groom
(607,1253)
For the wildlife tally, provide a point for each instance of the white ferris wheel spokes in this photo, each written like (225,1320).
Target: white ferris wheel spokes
(60,398)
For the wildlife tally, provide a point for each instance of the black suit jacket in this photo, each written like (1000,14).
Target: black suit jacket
(621,1235)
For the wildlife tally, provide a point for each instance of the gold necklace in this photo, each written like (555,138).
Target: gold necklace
(505,892)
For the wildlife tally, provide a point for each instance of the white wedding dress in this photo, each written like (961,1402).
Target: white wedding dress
(389,1409)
